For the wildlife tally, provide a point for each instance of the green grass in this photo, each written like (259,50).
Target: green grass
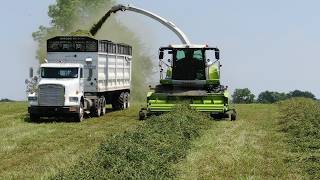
(300,119)
(250,148)
(39,150)
(266,142)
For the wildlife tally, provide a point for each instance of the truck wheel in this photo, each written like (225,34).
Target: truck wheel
(34,118)
(80,115)
(103,106)
(97,108)
(127,100)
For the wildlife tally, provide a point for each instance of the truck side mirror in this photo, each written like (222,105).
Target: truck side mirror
(35,78)
(217,54)
(161,55)
(30,72)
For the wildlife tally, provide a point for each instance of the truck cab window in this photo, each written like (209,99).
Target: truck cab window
(59,72)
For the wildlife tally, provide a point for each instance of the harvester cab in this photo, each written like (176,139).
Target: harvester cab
(189,63)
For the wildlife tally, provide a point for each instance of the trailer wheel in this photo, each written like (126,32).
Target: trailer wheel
(97,108)
(79,116)
(34,118)
(119,104)
(127,100)
(121,101)
(103,106)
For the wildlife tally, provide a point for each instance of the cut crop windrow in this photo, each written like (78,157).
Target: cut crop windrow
(145,153)
(300,118)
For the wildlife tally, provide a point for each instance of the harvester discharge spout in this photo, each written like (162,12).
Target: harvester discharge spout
(181,35)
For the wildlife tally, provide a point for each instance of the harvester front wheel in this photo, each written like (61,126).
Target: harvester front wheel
(142,115)
(233,116)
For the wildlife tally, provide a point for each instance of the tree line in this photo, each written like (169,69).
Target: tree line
(6,100)
(244,96)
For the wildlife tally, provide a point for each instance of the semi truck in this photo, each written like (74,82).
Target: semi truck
(81,75)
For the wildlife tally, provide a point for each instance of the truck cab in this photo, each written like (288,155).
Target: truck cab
(60,91)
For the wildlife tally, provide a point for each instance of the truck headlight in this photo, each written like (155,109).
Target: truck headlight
(32,98)
(73,99)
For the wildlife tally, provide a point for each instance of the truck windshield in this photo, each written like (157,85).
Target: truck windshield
(59,72)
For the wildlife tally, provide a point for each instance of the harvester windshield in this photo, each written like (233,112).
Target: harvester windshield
(188,64)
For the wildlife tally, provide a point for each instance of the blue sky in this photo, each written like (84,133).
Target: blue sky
(266,45)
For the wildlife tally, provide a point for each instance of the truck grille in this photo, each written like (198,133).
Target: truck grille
(51,95)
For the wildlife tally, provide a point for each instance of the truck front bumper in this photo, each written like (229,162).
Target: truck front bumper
(45,111)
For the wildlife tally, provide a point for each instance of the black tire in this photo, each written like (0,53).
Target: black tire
(34,118)
(121,101)
(233,116)
(142,115)
(97,108)
(118,103)
(80,116)
(103,106)
(127,100)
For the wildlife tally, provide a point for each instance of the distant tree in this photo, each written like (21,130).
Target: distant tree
(6,100)
(243,96)
(298,93)
(271,97)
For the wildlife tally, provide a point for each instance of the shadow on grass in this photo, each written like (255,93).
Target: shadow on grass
(63,119)
(49,120)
